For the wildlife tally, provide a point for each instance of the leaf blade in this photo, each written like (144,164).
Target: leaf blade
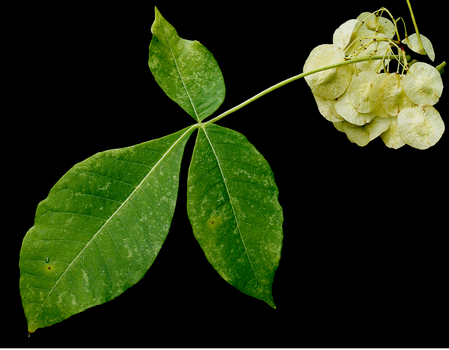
(100,229)
(233,207)
(186,71)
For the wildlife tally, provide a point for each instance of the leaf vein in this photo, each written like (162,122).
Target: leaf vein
(130,162)
(105,264)
(231,202)
(72,213)
(129,234)
(62,240)
(37,276)
(93,195)
(68,228)
(224,236)
(208,190)
(109,178)
(151,205)
(118,252)
(259,204)
(179,72)
(203,175)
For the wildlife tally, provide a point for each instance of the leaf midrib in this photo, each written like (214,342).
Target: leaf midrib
(179,72)
(231,202)
(113,215)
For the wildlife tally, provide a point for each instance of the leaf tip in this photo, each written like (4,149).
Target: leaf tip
(270,302)
(157,16)
(157,13)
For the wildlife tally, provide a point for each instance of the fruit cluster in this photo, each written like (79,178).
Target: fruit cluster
(364,100)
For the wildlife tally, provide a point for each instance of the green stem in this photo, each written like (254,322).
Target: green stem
(416,27)
(440,67)
(296,77)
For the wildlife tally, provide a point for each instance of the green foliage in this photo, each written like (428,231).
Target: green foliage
(100,229)
(104,222)
(232,203)
(185,70)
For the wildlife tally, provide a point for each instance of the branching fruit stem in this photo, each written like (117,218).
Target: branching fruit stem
(416,26)
(440,67)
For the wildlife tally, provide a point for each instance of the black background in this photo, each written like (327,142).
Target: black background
(364,254)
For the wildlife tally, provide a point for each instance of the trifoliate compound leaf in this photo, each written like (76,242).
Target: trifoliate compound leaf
(360,91)
(421,126)
(186,71)
(325,109)
(100,229)
(378,24)
(391,137)
(423,84)
(346,110)
(392,96)
(343,34)
(413,43)
(330,83)
(232,203)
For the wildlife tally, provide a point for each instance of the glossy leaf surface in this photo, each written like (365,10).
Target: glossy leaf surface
(185,70)
(234,210)
(100,229)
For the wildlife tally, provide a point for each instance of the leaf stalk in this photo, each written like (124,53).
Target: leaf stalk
(296,77)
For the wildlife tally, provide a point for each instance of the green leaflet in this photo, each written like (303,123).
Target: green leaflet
(100,229)
(232,203)
(185,70)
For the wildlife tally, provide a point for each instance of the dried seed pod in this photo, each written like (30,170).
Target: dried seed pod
(392,96)
(326,110)
(421,126)
(391,137)
(423,84)
(343,34)
(413,43)
(362,135)
(354,133)
(360,91)
(346,110)
(380,24)
(376,127)
(330,83)
(376,97)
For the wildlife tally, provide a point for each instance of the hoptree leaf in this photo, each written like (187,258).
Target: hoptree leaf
(232,204)
(100,229)
(185,70)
